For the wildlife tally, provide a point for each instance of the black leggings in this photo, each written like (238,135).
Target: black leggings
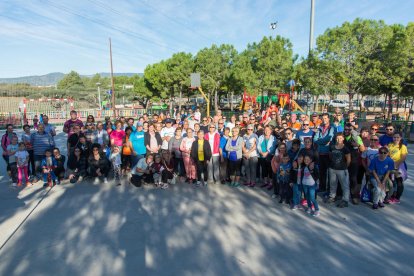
(354,186)
(323,172)
(400,188)
(201,168)
(31,162)
(266,167)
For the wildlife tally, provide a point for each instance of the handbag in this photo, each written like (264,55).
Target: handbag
(366,195)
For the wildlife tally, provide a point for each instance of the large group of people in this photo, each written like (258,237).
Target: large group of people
(296,156)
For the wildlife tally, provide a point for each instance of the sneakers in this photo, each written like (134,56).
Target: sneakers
(269,186)
(393,200)
(330,200)
(19,184)
(57,182)
(198,184)
(236,185)
(118,184)
(164,186)
(316,214)
(375,206)
(294,207)
(252,185)
(29,184)
(308,211)
(264,185)
(381,205)
(342,204)
(304,202)
(355,201)
(105,180)
(44,184)
(274,195)
(247,184)
(14,184)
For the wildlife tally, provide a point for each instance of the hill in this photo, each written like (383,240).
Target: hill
(53,78)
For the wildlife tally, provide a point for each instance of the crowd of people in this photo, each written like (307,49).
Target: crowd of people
(296,156)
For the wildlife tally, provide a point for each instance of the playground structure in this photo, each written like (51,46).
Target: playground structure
(251,101)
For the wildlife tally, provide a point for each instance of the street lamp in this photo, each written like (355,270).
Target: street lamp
(99,95)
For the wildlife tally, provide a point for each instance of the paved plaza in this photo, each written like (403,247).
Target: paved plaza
(100,229)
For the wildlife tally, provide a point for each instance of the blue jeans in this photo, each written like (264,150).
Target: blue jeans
(38,168)
(297,192)
(310,196)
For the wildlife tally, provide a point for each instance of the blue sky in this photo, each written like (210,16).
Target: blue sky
(43,36)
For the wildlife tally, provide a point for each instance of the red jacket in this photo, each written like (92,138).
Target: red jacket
(216,146)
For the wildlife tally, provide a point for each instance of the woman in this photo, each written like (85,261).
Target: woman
(60,160)
(250,156)
(98,164)
(76,166)
(109,130)
(398,153)
(142,171)
(340,159)
(174,149)
(91,120)
(185,148)
(152,140)
(266,147)
(275,163)
(101,136)
(29,147)
(5,141)
(232,122)
(309,150)
(126,152)
(234,147)
(118,135)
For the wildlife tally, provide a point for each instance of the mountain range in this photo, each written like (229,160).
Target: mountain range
(53,78)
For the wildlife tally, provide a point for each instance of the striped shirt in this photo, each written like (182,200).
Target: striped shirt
(41,142)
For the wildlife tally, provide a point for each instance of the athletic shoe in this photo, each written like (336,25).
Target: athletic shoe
(247,184)
(294,207)
(105,180)
(304,202)
(19,184)
(217,182)
(45,184)
(316,214)
(264,185)
(330,200)
(342,204)
(236,185)
(198,184)
(14,184)
(269,186)
(57,182)
(381,205)
(375,206)
(118,184)
(396,201)
(308,211)
(281,200)
(355,201)
(164,186)
(274,195)
(252,185)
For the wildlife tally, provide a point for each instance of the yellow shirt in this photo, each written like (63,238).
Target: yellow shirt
(396,153)
(201,150)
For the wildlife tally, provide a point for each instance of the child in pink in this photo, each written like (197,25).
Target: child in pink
(185,148)
(22,158)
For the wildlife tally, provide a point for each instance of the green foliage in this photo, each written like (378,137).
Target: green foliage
(71,81)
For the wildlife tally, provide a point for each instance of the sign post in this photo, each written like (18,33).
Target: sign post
(196,84)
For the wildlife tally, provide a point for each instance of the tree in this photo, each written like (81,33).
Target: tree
(71,81)
(143,94)
(213,64)
(348,49)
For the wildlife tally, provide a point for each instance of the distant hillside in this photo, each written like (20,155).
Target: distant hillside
(53,78)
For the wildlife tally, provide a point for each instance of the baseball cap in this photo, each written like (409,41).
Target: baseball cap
(314,114)
(140,124)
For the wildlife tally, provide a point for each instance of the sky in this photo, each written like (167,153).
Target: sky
(43,36)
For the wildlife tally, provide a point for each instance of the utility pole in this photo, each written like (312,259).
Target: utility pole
(312,20)
(112,79)
(99,95)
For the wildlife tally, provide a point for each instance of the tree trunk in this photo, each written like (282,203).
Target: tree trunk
(389,106)
(350,96)
(315,104)
(215,101)
(179,102)
(231,100)
(411,111)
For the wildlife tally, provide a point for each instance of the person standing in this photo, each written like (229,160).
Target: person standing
(266,147)
(322,139)
(6,140)
(201,154)
(213,138)
(137,144)
(175,153)
(41,142)
(166,134)
(234,147)
(189,163)
(73,121)
(250,156)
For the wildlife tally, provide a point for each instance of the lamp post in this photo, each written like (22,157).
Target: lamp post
(99,95)
(312,20)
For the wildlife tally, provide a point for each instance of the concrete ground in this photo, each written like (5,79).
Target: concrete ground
(100,229)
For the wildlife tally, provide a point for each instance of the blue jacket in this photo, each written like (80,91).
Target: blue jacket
(322,140)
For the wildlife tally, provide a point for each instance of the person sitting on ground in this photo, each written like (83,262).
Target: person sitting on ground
(98,164)
(380,168)
(48,165)
(142,171)
(76,167)
(60,164)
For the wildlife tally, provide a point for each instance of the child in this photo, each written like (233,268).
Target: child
(201,153)
(22,157)
(11,152)
(115,158)
(35,122)
(156,169)
(296,176)
(48,165)
(309,177)
(380,169)
(167,175)
(283,179)
(60,160)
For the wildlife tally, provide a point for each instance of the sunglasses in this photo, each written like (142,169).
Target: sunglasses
(383,152)
(237,124)
(220,123)
(374,128)
(374,139)
(305,124)
(273,114)
(250,129)
(212,127)
(390,129)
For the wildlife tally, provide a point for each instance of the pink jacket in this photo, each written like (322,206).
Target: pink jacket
(216,145)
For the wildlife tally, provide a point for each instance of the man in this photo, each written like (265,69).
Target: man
(387,138)
(352,120)
(221,127)
(137,144)
(323,138)
(214,165)
(130,123)
(73,139)
(204,125)
(41,142)
(166,133)
(355,145)
(73,121)
(316,122)
(145,117)
(305,132)
(49,128)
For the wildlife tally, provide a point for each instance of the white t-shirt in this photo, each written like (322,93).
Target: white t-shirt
(197,116)
(370,154)
(21,157)
(307,178)
(166,132)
